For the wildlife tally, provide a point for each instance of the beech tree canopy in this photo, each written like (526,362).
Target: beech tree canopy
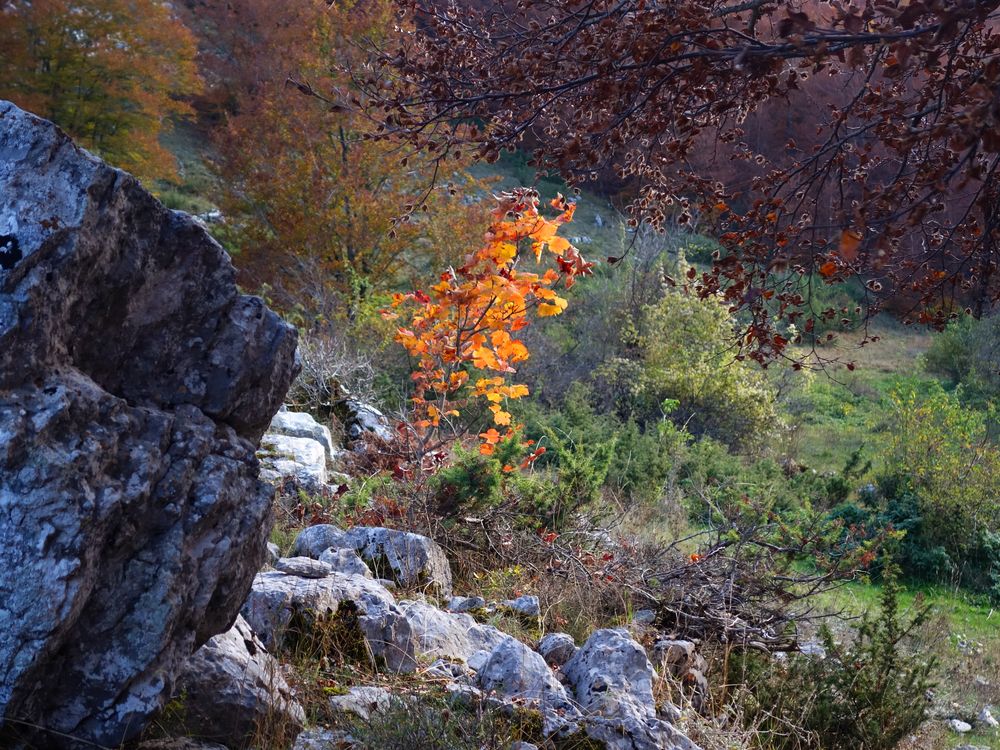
(688,102)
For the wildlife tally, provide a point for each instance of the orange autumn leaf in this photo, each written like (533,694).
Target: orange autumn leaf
(491,436)
(850,241)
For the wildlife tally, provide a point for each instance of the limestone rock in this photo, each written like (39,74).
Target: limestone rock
(986,718)
(361,419)
(231,686)
(674,656)
(324,739)
(362,701)
(465,603)
(135,382)
(455,671)
(435,633)
(345,561)
(301,425)
(557,648)
(644,618)
(278,600)
(303,567)
(959,726)
(302,459)
(273,553)
(412,560)
(516,673)
(613,683)
(315,540)
(526,605)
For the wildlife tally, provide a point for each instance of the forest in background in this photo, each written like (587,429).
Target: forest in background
(800,480)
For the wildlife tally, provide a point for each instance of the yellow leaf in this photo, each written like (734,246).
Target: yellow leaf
(557,306)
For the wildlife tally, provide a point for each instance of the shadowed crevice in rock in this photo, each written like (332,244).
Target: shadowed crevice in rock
(135,382)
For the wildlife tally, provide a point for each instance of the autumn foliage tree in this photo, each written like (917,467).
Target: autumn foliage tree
(113,73)
(463,334)
(315,207)
(897,186)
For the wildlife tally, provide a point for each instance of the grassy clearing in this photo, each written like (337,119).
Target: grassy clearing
(837,411)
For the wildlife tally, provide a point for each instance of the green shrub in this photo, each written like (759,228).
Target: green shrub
(940,481)
(682,357)
(966,354)
(868,692)
(712,479)
(640,461)
(572,478)
(471,484)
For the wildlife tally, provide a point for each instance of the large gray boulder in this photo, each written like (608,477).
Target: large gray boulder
(232,687)
(410,560)
(135,382)
(514,673)
(280,604)
(362,701)
(360,420)
(613,683)
(421,630)
(313,541)
(345,561)
(303,567)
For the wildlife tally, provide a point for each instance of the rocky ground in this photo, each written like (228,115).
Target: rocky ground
(382,602)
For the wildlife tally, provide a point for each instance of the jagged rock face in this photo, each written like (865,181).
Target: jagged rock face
(613,683)
(134,384)
(231,687)
(515,672)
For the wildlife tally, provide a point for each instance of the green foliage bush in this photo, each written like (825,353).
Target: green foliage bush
(681,357)
(866,692)
(713,479)
(967,354)
(939,484)
(477,484)
(589,449)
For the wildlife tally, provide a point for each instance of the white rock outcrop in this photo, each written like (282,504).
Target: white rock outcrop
(301,425)
(301,458)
